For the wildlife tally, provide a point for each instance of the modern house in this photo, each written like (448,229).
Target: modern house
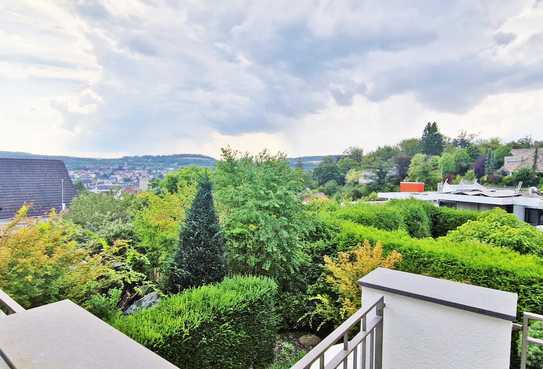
(524,158)
(473,196)
(42,184)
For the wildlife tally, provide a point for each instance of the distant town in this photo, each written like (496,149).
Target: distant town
(134,173)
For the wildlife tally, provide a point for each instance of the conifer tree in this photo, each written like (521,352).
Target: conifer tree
(200,258)
(432,140)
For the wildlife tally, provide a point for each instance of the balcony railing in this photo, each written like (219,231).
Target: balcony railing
(526,339)
(357,350)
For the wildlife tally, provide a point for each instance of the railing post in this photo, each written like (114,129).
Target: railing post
(524,351)
(379,336)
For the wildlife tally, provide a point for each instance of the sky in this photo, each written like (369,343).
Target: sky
(117,77)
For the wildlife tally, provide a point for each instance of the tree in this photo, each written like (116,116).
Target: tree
(432,141)
(425,169)
(355,153)
(410,147)
(328,170)
(173,181)
(200,258)
(262,213)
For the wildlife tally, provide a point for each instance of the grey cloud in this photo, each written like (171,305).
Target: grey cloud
(185,69)
(503,38)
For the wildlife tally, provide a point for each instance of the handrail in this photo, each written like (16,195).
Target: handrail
(372,329)
(526,339)
(10,305)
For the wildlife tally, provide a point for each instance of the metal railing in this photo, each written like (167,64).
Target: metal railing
(526,339)
(356,350)
(9,305)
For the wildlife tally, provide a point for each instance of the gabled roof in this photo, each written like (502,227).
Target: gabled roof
(41,183)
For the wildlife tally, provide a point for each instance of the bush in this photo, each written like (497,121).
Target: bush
(468,262)
(375,215)
(41,262)
(344,272)
(232,324)
(501,229)
(445,219)
(415,215)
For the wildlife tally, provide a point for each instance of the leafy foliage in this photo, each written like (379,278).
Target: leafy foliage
(349,267)
(41,262)
(262,214)
(232,323)
(107,215)
(200,257)
(157,224)
(468,262)
(432,141)
(425,169)
(499,228)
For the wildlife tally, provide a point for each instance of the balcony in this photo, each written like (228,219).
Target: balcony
(56,336)
(410,321)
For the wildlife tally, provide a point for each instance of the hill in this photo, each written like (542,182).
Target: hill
(152,162)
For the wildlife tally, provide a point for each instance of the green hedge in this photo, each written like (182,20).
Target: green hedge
(499,228)
(377,215)
(416,216)
(445,219)
(469,262)
(420,218)
(231,325)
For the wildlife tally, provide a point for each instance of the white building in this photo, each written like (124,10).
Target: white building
(526,206)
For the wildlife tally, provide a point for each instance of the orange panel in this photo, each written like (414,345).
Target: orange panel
(411,187)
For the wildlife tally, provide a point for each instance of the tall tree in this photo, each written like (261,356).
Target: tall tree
(432,141)
(200,258)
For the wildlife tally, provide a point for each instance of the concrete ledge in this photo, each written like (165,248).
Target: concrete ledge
(486,301)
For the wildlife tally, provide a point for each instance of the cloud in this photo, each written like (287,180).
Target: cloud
(147,76)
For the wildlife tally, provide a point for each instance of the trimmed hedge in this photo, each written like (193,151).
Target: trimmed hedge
(468,262)
(377,215)
(230,325)
(499,228)
(420,218)
(447,219)
(416,216)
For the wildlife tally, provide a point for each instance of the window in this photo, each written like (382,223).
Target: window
(534,217)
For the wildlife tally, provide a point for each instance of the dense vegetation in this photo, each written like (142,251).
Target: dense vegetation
(300,255)
(231,324)
(431,159)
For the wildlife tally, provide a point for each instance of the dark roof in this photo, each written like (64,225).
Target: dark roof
(37,182)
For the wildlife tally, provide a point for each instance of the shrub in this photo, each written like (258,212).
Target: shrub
(468,262)
(375,215)
(200,257)
(344,273)
(415,215)
(445,219)
(41,262)
(501,229)
(232,324)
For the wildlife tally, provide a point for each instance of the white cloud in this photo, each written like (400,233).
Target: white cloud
(121,77)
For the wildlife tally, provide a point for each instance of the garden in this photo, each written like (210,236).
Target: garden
(242,268)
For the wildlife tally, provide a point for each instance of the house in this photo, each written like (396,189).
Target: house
(473,196)
(41,183)
(524,158)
